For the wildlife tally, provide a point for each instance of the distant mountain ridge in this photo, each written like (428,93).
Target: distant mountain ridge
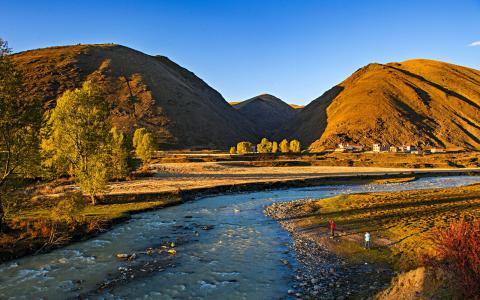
(179,108)
(267,112)
(421,102)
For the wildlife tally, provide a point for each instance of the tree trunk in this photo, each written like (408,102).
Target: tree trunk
(94,199)
(2,215)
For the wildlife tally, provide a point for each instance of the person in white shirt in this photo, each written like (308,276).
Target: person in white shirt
(367,240)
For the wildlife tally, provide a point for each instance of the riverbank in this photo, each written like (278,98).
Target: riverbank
(400,224)
(33,231)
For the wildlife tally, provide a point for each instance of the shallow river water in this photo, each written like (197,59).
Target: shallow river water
(243,256)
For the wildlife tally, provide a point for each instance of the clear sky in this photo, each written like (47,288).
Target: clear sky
(295,50)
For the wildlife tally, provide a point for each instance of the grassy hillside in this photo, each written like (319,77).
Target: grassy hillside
(421,102)
(144,91)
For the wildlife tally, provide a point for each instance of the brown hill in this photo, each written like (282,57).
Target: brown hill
(267,112)
(145,91)
(421,102)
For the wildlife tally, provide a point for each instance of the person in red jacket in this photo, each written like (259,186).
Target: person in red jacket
(332,227)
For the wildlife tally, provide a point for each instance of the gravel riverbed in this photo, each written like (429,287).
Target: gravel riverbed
(320,273)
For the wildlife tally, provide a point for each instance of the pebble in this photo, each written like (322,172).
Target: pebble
(122,256)
(321,274)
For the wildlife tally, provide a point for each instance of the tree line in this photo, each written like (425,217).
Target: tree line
(76,138)
(267,146)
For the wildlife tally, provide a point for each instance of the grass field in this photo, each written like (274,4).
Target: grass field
(159,185)
(401,223)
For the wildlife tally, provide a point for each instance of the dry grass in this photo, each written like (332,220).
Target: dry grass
(424,102)
(399,222)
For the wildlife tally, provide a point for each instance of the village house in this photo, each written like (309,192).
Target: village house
(380,148)
(408,148)
(349,148)
(393,149)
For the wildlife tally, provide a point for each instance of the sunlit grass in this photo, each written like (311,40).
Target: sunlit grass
(400,222)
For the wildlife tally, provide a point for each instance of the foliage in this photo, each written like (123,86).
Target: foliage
(284,146)
(144,144)
(244,147)
(67,209)
(233,150)
(294,146)
(137,136)
(457,252)
(78,138)
(265,146)
(20,120)
(120,154)
(274,147)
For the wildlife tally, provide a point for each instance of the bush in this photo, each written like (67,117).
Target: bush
(274,147)
(265,146)
(120,154)
(233,150)
(144,144)
(244,147)
(67,209)
(284,146)
(294,146)
(137,136)
(457,251)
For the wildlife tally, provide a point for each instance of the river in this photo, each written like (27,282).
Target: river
(226,249)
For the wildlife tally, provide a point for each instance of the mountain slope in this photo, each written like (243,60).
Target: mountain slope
(267,112)
(422,102)
(179,108)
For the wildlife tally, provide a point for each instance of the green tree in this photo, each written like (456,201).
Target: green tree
(274,147)
(120,154)
(244,147)
(233,150)
(284,146)
(265,146)
(78,138)
(295,146)
(137,136)
(145,147)
(20,121)
(68,209)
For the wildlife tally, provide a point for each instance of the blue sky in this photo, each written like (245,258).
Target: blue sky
(295,50)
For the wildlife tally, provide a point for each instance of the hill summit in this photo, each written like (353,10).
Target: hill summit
(420,102)
(179,108)
(267,112)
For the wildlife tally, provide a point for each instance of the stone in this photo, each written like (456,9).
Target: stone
(291,292)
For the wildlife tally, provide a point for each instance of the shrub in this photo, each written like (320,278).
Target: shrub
(265,146)
(294,146)
(67,209)
(457,251)
(244,147)
(137,136)
(120,154)
(144,145)
(233,150)
(284,146)
(274,147)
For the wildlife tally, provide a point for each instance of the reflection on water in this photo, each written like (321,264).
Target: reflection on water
(241,257)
